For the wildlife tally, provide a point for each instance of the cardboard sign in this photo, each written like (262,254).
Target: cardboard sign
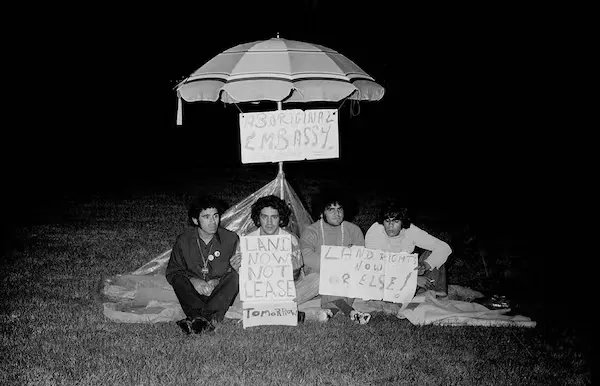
(267,281)
(268,313)
(337,265)
(369,274)
(289,135)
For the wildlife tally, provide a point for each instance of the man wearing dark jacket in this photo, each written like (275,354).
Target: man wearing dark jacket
(203,267)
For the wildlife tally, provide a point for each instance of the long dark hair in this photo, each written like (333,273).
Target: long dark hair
(393,210)
(273,202)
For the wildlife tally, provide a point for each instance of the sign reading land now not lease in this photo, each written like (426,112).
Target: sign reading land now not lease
(267,287)
(289,135)
(369,274)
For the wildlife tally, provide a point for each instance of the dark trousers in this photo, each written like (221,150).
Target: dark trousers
(437,274)
(211,307)
(337,303)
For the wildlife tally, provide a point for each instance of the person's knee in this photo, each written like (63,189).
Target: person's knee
(179,279)
(231,279)
(329,301)
(180,276)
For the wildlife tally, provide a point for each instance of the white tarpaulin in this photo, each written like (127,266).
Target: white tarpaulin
(457,309)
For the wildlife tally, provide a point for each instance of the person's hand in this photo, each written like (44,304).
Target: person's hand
(201,286)
(212,284)
(236,261)
(423,267)
(425,282)
(296,260)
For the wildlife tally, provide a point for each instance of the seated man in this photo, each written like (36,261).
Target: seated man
(395,232)
(204,279)
(270,214)
(331,229)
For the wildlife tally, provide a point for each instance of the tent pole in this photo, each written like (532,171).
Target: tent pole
(281,180)
(280,107)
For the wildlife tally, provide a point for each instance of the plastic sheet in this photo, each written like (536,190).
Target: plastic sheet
(145,296)
(445,312)
(495,302)
(237,218)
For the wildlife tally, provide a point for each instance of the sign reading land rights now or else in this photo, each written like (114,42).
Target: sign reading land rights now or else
(370,274)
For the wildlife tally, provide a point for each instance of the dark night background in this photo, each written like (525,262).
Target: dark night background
(468,103)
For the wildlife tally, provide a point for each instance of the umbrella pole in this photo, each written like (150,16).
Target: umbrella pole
(281,180)
(279,107)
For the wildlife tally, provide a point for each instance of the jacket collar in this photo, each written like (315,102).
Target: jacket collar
(217,235)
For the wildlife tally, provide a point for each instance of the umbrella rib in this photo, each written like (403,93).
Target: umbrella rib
(281,75)
(284,50)
(272,78)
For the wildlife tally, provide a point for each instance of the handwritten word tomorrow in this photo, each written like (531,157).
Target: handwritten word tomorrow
(251,312)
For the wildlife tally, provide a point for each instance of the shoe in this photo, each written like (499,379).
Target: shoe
(301,316)
(200,324)
(360,317)
(185,325)
(364,318)
(325,314)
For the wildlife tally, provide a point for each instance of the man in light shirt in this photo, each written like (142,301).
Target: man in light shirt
(395,232)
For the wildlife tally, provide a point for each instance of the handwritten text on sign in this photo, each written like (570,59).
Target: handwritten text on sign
(267,287)
(289,135)
(267,313)
(266,272)
(360,272)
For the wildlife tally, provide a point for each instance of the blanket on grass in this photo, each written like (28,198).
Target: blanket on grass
(139,298)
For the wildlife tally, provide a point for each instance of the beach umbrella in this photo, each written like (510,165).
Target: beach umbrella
(279,70)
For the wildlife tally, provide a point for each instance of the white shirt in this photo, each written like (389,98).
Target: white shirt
(407,239)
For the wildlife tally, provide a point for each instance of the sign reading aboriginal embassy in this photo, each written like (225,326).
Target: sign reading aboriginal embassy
(370,274)
(267,287)
(289,135)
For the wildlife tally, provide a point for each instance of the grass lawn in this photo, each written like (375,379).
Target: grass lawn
(54,332)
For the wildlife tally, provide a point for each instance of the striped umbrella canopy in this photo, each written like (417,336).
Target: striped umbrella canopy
(279,70)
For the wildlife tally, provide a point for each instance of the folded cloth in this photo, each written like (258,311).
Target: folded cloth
(442,311)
